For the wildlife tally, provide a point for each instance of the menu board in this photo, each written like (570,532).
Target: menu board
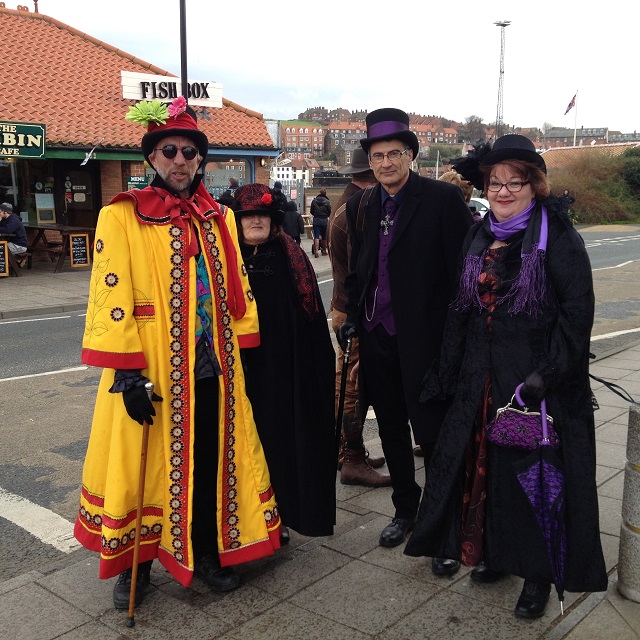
(79,249)
(4,258)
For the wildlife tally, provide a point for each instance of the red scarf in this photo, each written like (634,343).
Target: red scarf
(154,205)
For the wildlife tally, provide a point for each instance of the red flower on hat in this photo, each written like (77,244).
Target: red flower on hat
(178,106)
(267,199)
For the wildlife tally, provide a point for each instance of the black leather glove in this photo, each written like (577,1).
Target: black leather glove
(346,330)
(138,405)
(534,389)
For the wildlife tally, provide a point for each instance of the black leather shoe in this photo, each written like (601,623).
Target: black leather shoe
(395,533)
(444,566)
(218,578)
(122,588)
(533,599)
(483,575)
(285,536)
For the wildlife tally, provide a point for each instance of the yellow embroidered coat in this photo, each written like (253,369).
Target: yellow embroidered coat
(141,315)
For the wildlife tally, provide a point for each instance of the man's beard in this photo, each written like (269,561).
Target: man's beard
(177,185)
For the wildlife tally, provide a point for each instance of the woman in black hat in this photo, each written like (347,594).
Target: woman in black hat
(523,313)
(289,376)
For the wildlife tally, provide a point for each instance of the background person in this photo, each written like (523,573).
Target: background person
(355,464)
(523,313)
(566,201)
(320,210)
(169,303)
(293,223)
(406,235)
(467,190)
(290,375)
(11,222)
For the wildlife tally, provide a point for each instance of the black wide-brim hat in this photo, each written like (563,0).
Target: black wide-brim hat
(184,124)
(389,124)
(359,164)
(257,198)
(513,147)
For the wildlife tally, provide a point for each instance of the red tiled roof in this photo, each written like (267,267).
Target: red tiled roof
(70,81)
(561,156)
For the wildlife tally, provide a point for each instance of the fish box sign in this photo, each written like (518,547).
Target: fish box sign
(144,86)
(22,140)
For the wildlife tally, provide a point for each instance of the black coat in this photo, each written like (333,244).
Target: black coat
(423,263)
(290,381)
(556,345)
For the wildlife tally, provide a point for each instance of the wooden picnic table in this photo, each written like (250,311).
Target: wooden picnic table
(55,248)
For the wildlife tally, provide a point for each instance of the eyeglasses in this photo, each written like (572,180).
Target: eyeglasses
(512,187)
(170,151)
(378,158)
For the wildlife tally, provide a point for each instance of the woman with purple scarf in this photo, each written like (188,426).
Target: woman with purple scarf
(523,313)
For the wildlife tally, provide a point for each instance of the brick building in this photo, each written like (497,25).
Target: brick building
(85,151)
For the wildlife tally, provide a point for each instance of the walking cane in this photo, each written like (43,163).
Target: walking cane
(343,386)
(136,546)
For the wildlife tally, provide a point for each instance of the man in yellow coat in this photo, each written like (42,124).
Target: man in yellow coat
(170,303)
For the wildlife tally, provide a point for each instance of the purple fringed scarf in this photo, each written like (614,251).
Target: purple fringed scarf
(528,291)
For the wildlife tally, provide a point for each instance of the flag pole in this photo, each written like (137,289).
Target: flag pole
(183,50)
(575,119)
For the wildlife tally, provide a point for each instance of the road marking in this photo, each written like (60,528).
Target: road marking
(32,320)
(45,373)
(614,334)
(42,523)
(325,281)
(616,266)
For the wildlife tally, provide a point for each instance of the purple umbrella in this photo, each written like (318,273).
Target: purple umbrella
(542,479)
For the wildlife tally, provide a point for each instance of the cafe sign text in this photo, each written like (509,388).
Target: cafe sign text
(22,140)
(145,86)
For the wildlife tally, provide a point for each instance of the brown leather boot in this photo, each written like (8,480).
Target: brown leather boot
(374,461)
(316,244)
(323,247)
(356,470)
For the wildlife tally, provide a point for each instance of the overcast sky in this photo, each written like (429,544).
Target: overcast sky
(424,57)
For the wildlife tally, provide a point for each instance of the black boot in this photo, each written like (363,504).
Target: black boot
(533,599)
(218,578)
(122,588)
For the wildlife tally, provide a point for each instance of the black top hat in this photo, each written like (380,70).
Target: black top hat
(359,163)
(389,124)
(513,147)
(184,124)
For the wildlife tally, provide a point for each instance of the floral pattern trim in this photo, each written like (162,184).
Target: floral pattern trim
(230,525)
(122,530)
(179,401)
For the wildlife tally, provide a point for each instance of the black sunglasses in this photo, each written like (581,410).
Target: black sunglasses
(170,151)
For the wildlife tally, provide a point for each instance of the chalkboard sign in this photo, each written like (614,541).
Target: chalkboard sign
(4,258)
(79,249)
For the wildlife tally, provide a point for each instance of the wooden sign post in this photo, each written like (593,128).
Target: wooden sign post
(79,251)
(4,258)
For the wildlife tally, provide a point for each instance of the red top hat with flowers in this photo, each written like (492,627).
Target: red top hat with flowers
(178,119)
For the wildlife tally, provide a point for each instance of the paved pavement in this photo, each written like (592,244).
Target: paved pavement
(342,586)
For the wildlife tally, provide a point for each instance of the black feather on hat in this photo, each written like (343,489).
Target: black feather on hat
(469,166)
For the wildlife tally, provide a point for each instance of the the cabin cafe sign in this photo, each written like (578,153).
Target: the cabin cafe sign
(144,86)
(21,140)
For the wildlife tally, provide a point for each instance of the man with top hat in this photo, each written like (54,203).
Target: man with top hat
(406,235)
(170,303)
(355,464)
